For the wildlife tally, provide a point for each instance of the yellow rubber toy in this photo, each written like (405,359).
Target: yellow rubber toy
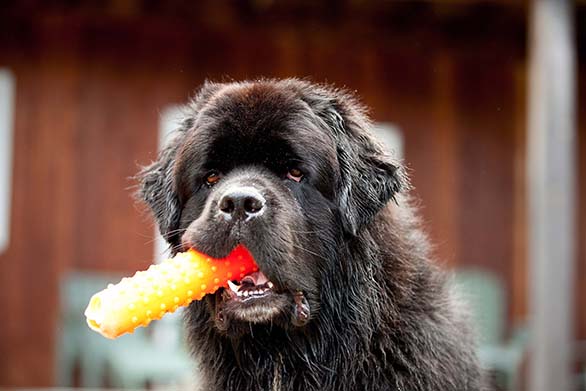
(163,288)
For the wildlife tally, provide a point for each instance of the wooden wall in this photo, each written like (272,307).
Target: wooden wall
(91,83)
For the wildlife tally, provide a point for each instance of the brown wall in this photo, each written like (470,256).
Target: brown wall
(90,87)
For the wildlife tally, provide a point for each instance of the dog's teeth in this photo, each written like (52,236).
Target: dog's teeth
(270,285)
(233,287)
(245,293)
(239,294)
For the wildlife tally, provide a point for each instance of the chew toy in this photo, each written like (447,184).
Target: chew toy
(163,288)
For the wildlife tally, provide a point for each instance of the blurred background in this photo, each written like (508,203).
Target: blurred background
(89,89)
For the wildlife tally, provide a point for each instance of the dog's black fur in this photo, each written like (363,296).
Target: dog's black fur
(358,303)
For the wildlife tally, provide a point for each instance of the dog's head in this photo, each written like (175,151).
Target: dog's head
(286,168)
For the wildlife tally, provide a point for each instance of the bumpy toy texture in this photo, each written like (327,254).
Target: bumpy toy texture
(163,288)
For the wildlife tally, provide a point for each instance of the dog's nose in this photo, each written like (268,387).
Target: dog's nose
(241,203)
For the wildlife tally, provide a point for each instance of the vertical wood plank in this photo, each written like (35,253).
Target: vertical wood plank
(519,279)
(447,173)
(580,280)
(551,174)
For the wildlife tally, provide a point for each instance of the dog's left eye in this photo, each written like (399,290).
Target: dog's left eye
(295,174)
(212,178)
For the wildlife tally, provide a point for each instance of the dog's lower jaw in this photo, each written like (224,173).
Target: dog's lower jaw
(299,307)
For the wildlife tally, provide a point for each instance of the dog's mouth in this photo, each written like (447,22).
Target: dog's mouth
(252,287)
(255,299)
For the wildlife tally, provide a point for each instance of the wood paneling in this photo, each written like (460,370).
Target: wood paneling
(89,91)
(487,129)
(519,273)
(81,129)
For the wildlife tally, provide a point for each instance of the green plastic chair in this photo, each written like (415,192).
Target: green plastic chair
(77,345)
(130,361)
(486,299)
(153,362)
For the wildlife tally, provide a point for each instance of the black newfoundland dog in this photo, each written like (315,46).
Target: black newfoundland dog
(347,297)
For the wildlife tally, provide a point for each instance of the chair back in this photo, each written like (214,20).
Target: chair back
(485,297)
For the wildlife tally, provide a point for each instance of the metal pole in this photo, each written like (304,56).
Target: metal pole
(551,177)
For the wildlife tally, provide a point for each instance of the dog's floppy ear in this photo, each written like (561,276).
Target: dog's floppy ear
(156,181)
(157,190)
(370,178)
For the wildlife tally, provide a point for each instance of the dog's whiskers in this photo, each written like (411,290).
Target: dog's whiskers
(177,247)
(310,252)
(318,231)
(172,232)
(175,231)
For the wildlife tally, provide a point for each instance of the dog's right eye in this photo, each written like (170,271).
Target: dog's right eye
(212,178)
(295,174)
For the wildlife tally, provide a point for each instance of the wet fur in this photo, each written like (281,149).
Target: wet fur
(382,315)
